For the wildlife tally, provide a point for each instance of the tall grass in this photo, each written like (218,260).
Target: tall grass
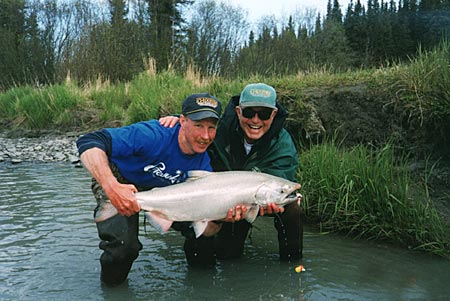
(371,194)
(9,100)
(41,108)
(112,101)
(147,96)
(153,96)
(424,86)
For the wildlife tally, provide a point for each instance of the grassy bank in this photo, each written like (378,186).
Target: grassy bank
(365,190)
(371,194)
(418,93)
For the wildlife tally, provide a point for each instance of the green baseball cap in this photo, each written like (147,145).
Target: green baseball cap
(258,95)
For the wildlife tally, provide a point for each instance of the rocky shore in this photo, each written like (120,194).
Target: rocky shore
(45,148)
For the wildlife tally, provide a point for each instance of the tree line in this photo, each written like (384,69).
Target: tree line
(44,41)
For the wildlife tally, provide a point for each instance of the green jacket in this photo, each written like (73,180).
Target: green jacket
(274,153)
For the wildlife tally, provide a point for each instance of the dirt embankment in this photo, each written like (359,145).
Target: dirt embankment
(357,114)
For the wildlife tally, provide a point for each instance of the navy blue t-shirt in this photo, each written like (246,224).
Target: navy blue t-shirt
(148,155)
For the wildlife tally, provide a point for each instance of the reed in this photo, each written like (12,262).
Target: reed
(423,86)
(370,193)
(158,95)
(41,108)
(112,102)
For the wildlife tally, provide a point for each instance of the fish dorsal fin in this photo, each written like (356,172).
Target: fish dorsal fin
(197,174)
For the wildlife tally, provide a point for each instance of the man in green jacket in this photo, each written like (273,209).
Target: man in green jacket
(251,136)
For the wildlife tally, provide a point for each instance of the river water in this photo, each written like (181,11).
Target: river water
(48,251)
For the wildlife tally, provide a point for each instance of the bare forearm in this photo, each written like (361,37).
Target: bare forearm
(121,195)
(96,162)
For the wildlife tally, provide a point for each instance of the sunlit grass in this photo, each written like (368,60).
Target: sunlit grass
(420,89)
(41,108)
(424,86)
(371,194)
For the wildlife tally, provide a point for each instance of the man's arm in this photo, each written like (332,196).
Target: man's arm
(121,195)
(169,121)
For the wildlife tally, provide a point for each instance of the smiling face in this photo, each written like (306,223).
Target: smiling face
(196,135)
(253,126)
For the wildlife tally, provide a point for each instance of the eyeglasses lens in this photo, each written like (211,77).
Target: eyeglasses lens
(263,114)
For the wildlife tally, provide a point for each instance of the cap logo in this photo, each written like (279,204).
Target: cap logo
(206,101)
(260,92)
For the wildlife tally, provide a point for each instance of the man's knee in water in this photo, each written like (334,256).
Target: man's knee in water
(229,243)
(290,232)
(200,252)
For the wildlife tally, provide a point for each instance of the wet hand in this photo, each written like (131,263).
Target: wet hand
(235,214)
(123,198)
(168,121)
(270,209)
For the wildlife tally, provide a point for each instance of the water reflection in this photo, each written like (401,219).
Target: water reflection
(48,251)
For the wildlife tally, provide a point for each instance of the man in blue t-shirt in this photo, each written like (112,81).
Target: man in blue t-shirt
(139,157)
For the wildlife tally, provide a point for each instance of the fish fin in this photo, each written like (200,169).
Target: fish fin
(104,212)
(197,174)
(252,213)
(161,224)
(199,227)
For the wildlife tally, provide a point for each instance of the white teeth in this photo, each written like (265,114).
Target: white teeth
(255,127)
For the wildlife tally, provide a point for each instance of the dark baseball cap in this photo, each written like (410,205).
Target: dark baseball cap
(201,106)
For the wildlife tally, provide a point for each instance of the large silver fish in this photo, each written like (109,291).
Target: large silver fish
(207,196)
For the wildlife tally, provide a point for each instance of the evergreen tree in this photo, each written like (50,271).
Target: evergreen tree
(287,50)
(40,64)
(336,13)
(332,48)
(116,66)
(166,31)
(355,25)
(404,44)
(12,43)
(434,22)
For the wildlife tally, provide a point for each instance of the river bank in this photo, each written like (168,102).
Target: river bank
(42,147)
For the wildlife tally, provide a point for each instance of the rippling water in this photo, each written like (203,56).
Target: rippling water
(48,251)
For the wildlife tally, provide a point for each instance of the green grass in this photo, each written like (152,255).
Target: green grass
(423,86)
(371,194)
(112,102)
(41,108)
(420,89)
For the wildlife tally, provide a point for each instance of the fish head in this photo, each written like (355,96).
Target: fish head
(279,191)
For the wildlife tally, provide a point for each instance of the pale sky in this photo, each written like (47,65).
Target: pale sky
(258,8)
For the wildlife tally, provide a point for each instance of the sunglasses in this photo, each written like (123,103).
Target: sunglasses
(263,114)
